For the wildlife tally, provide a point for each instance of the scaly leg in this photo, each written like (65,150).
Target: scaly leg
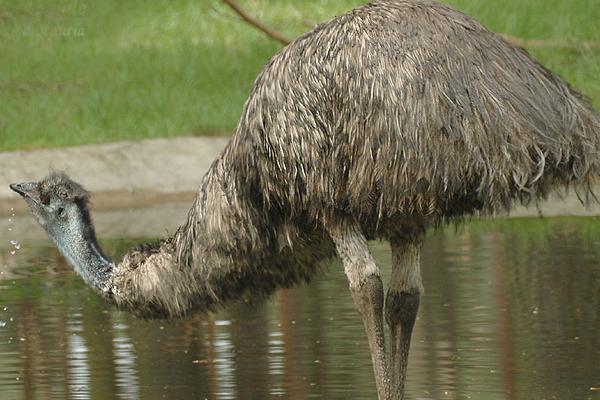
(401,306)
(367,293)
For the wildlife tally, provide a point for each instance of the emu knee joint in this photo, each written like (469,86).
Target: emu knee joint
(401,308)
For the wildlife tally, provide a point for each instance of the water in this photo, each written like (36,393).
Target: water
(512,311)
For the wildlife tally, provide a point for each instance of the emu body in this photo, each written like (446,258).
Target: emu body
(381,123)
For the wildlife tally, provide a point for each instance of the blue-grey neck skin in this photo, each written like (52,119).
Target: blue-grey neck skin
(89,261)
(77,243)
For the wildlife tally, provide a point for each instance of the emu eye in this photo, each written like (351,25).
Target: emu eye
(60,212)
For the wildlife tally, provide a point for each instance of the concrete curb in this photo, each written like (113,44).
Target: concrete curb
(123,174)
(154,172)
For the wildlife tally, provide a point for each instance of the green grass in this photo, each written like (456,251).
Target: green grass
(79,71)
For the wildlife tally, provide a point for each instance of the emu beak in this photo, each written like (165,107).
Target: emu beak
(29,190)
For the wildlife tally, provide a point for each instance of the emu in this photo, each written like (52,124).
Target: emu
(396,117)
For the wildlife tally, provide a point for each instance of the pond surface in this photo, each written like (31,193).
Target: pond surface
(512,311)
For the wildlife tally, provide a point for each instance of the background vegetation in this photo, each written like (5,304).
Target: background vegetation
(79,71)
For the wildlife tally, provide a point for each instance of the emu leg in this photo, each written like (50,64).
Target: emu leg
(401,307)
(367,293)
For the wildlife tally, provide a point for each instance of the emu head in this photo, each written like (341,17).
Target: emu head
(60,206)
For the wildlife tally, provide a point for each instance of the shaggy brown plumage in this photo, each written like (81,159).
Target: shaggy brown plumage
(400,113)
(403,114)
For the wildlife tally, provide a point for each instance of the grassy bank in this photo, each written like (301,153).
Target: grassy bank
(81,71)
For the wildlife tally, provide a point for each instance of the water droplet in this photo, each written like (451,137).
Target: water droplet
(10,229)
(16,243)
(13,252)
(5,308)
(2,324)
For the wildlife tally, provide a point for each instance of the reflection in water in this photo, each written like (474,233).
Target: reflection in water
(124,358)
(276,362)
(79,370)
(511,311)
(224,361)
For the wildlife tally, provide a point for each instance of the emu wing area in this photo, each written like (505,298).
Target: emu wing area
(411,108)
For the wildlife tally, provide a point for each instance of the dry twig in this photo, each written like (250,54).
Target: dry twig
(256,23)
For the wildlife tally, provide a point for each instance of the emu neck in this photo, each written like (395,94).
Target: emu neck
(88,259)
